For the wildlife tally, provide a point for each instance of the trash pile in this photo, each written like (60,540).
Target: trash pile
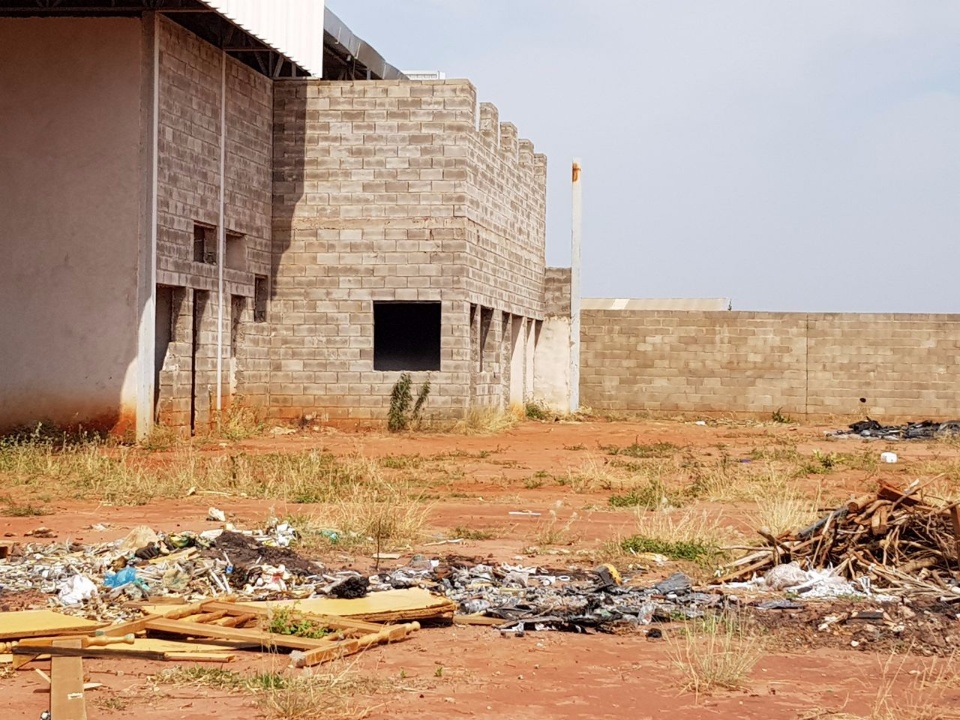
(888,539)
(925,430)
(517,598)
(97,580)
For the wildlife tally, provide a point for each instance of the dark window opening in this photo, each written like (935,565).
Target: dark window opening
(204,244)
(238,304)
(236,251)
(260,291)
(486,320)
(406,336)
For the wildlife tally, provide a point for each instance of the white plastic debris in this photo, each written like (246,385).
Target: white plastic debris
(77,589)
(216,514)
(784,576)
(888,457)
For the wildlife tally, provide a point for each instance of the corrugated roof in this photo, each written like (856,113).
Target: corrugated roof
(691,304)
(294,28)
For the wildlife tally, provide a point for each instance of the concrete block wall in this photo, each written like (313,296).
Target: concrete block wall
(556,291)
(506,208)
(193,76)
(372,187)
(902,364)
(756,363)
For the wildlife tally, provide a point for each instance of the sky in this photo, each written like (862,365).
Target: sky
(791,155)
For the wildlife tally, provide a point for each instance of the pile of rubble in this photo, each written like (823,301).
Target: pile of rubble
(533,598)
(924,430)
(889,539)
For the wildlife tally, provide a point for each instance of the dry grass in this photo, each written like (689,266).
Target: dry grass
(372,512)
(594,474)
(685,526)
(550,531)
(714,654)
(125,475)
(488,420)
(332,694)
(785,511)
(927,694)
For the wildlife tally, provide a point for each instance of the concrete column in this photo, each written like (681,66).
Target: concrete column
(576,238)
(147,262)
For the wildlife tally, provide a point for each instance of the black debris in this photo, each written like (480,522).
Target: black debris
(924,430)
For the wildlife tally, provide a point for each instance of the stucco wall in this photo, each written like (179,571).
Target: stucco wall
(69,208)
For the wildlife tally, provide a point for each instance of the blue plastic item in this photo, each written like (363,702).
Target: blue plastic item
(119,579)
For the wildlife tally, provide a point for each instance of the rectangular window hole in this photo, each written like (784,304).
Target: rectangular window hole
(204,244)
(260,294)
(238,304)
(406,336)
(236,251)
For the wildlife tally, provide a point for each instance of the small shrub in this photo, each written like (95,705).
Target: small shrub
(650,496)
(779,417)
(405,413)
(536,409)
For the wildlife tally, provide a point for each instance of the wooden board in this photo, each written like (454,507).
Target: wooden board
(37,623)
(264,639)
(389,606)
(66,684)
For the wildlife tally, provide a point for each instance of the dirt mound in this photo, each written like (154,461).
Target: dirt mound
(244,552)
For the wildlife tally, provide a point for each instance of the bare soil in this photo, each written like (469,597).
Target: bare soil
(455,672)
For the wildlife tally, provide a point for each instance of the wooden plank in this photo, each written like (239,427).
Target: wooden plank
(266,610)
(254,637)
(33,653)
(349,647)
(37,623)
(389,606)
(66,683)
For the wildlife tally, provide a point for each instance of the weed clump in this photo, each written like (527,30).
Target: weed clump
(650,496)
(285,621)
(405,413)
(692,550)
(536,409)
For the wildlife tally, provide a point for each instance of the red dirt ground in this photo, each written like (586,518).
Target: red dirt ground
(481,674)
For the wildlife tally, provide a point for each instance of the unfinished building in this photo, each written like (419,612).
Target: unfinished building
(193,216)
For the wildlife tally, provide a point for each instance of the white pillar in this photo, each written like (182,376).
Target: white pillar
(147,262)
(576,238)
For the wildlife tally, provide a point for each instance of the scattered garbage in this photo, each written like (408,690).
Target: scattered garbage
(216,514)
(76,590)
(924,430)
(888,457)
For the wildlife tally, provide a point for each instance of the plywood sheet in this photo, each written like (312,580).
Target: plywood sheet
(389,606)
(67,700)
(36,623)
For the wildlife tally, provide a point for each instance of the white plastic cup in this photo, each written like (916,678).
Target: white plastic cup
(888,457)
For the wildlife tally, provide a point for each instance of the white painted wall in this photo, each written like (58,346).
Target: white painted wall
(69,213)
(551,372)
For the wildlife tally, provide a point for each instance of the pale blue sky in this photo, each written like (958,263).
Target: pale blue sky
(789,154)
